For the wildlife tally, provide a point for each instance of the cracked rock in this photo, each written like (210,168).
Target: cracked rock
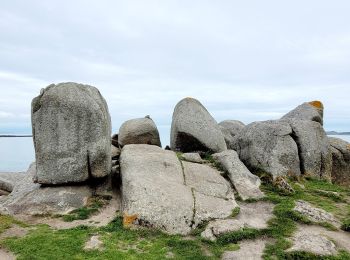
(72,134)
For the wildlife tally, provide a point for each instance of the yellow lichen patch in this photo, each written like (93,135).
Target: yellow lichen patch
(128,220)
(348,147)
(317,104)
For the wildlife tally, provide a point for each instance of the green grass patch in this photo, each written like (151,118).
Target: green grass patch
(346,225)
(93,205)
(7,221)
(235,212)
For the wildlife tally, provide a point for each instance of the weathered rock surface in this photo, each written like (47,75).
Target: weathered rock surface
(245,183)
(192,157)
(252,215)
(29,198)
(139,131)
(312,111)
(268,146)
(194,129)
(340,238)
(248,250)
(9,179)
(72,134)
(230,128)
(340,150)
(313,243)
(206,180)
(315,214)
(314,150)
(160,191)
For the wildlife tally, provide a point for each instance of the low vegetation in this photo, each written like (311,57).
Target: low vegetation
(44,242)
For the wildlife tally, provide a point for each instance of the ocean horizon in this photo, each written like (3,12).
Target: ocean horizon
(17,153)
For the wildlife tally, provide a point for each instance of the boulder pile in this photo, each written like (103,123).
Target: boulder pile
(199,178)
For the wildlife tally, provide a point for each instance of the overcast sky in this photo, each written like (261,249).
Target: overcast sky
(245,60)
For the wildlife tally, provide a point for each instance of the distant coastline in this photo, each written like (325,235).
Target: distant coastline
(16,136)
(337,133)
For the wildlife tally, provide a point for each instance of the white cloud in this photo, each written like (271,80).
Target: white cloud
(252,60)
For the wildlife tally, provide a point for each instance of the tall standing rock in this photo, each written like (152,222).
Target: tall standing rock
(312,111)
(194,129)
(340,150)
(72,134)
(139,131)
(314,150)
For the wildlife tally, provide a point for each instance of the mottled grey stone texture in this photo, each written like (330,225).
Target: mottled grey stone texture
(246,184)
(340,150)
(194,129)
(312,111)
(72,134)
(268,146)
(139,131)
(230,128)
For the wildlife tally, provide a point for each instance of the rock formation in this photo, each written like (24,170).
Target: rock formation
(72,134)
(340,150)
(268,146)
(230,128)
(312,111)
(161,191)
(194,129)
(245,183)
(139,131)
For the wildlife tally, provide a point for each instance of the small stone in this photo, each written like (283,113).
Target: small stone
(192,157)
(94,243)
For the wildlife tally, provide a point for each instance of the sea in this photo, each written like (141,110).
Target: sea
(17,153)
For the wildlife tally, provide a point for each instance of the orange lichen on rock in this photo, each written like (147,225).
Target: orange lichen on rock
(348,147)
(128,220)
(317,104)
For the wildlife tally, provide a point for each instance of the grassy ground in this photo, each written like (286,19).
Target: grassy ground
(42,242)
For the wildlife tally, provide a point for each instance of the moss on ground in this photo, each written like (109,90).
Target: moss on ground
(42,242)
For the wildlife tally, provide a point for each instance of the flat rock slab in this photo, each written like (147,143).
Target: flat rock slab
(206,180)
(161,191)
(14,231)
(249,250)
(313,241)
(192,157)
(252,215)
(340,238)
(31,198)
(246,184)
(315,214)
(6,255)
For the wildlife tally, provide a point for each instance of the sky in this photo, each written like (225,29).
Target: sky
(244,60)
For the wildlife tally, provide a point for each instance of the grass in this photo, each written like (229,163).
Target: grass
(93,205)
(285,218)
(42,242)
(8,221)
(119,243)
(346,225)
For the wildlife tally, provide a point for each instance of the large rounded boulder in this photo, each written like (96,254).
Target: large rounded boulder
(230,128)
(72,134)
(340,150)
(194,129)
(312,111)
(268,146)
(139,131)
